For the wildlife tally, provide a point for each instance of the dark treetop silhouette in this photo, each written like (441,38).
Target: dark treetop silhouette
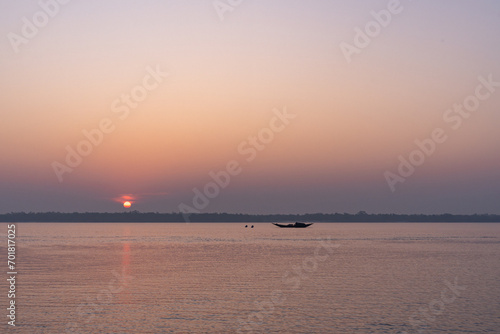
(136,216)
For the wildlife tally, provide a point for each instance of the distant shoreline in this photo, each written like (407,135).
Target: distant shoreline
(155,217)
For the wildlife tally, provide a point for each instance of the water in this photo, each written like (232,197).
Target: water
(225,278)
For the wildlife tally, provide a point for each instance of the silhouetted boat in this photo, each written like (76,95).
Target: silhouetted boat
(294,225)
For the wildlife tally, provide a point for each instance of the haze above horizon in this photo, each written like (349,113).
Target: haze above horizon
(285,107)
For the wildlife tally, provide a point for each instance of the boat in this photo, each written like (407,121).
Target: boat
(294,225)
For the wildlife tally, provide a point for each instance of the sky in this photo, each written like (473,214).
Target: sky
(250,106)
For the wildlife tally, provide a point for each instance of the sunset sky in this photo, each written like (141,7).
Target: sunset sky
(178,88)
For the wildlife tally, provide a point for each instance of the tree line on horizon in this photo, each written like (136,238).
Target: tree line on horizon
(156,217)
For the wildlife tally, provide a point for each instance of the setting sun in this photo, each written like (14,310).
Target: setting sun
(127,204)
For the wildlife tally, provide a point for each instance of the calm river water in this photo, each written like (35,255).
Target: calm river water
(225,278)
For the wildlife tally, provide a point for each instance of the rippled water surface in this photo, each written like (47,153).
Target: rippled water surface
(225,278)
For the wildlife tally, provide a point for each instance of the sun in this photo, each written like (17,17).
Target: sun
(127,204)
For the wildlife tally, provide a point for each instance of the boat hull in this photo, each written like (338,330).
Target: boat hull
(296,225)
